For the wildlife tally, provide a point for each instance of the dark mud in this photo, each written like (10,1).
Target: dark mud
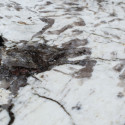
(49,22)
(8,107)
(120,68)
(20,63)
(85,72)
(1,41)
(99,1)
(58,32)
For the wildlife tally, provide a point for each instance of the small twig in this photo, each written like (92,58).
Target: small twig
(55,101)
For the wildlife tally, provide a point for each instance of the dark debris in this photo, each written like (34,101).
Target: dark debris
(20,63)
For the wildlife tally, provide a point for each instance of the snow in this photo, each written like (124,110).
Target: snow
(97,96)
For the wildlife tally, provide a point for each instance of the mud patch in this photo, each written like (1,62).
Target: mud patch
(122,75)
(21,62)
(77,107)
(8,107)
(99,1)
(49,22)
(118,67)
(1,41)
(86,72)
(77,32)
(80,23)
(75,43)
(58,32)
(120,95)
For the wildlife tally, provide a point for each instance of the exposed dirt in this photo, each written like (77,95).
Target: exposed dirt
(20,63)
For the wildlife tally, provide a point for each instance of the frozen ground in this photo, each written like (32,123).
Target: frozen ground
(58,97)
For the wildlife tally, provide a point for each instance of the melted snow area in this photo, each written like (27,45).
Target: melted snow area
(57,96)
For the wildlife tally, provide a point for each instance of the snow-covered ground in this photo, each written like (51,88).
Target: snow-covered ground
(57,97)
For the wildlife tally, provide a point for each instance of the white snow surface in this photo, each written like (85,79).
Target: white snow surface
(56,97)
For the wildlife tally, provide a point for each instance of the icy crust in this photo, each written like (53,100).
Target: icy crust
(66,94)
